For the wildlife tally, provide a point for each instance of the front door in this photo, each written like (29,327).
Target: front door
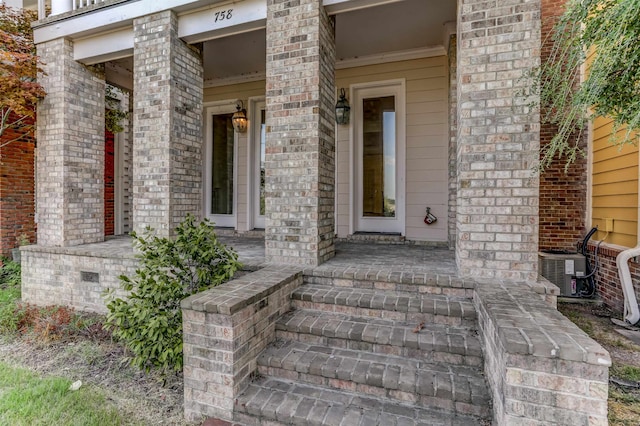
(379,158)
(221,167)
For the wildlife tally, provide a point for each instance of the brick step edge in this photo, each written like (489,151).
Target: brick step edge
(284,402)
(371,303)
(455,388)
(429,342)
(396,281)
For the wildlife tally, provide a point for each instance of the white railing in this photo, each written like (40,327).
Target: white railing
(57,7)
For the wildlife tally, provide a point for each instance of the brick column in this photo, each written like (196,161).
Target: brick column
(70,159)
(498,140)
(300,145)
(167,125)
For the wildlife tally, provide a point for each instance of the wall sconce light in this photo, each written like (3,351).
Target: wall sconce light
(342,109)
(239,118)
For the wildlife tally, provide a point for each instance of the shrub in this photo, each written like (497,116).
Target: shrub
(9,273)
(149,320)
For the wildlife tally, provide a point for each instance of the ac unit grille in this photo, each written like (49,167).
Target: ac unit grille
(560,268)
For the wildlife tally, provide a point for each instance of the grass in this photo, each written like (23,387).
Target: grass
(44,349)
(28,399)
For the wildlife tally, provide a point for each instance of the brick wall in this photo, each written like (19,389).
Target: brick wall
(17,188)
(453,145)
(300,145)
(225,328)
(167,125)
(76,276)
(563,195)
(498,140)
(608,287)
(537,379)
(70,133)
(109,183)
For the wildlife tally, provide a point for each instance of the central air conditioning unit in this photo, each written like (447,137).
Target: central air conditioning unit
(561,269)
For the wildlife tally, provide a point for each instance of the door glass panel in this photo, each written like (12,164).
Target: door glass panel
(222,165)
(379,157)
(263,141)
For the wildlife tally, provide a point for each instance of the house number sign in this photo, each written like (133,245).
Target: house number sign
(222,15)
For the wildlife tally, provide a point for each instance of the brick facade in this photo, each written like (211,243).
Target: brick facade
(453,145)
(70,134)
(563,194)
(300,145)
(109,183)
(167,125)
(17,189)
(498,140)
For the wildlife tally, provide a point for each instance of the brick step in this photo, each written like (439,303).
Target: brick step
(280,402)
(459,389)
(394,305)
(389,280)
(428,342)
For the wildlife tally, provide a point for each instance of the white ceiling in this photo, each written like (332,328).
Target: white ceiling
(397,26)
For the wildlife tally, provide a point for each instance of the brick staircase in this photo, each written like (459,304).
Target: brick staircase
(352,354)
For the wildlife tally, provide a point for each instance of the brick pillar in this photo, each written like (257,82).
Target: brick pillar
(70,159)
(300,145)
(453,134)
(167,125)
(498,140)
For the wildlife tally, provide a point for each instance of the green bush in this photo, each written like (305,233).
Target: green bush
(149,321)
(9,296)
(9,274)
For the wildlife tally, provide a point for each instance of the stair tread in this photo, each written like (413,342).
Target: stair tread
(423,336)
(392,373)
(289,402)
(386,300)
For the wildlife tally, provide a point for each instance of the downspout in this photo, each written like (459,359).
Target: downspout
(631,311)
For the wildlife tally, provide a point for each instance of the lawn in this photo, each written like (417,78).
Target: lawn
(27,398)
(44,350)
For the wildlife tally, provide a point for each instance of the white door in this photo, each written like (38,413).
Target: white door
(379,157)
(256,162)
(221,166)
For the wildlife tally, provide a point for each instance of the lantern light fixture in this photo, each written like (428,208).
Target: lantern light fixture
(239,118)
(342,109)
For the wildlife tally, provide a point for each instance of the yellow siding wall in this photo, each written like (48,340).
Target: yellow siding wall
(614,186)
(426,143)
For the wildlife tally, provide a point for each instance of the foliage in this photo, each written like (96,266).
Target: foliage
(27,399)
(10,273)
(609,30)
(149,321)
(114,113)
(19,66)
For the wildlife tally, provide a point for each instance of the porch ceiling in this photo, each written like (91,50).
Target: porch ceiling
(392,27)
(368,32)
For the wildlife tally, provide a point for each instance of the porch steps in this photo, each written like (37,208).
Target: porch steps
(369,356)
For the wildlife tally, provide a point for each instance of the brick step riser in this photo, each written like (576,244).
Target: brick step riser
(441,398)
(430,287)
(448,357)
(411,317)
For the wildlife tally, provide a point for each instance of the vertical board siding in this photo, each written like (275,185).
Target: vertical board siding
(427,143)
(615,186)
